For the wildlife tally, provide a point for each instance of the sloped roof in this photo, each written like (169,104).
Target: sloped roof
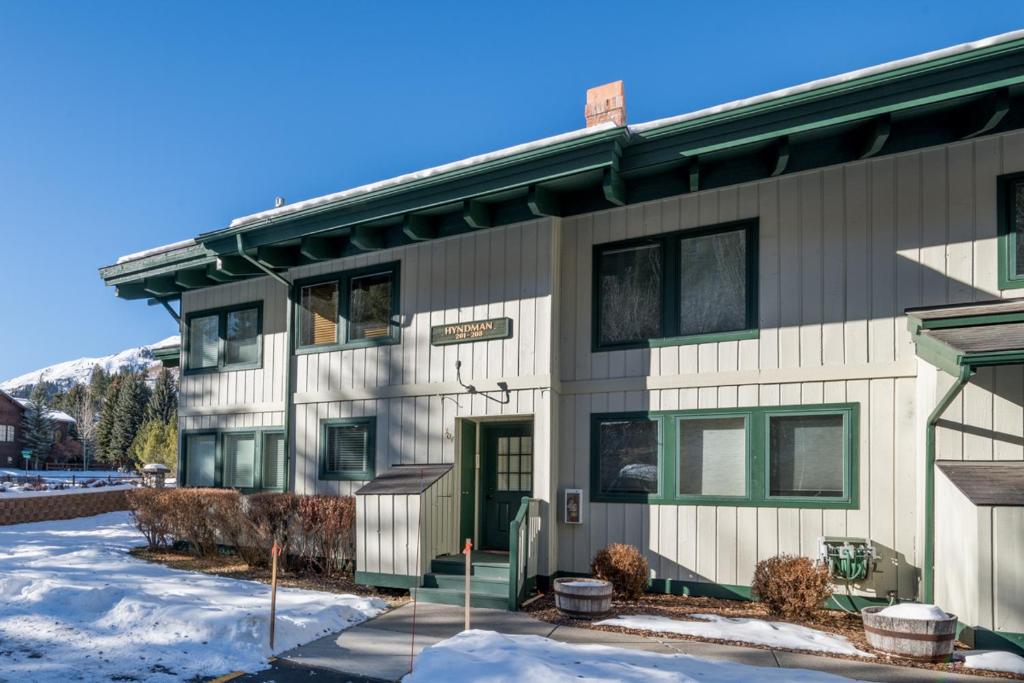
(987,483)
(404,480)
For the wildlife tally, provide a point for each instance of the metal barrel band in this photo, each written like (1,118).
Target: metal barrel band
(929,637)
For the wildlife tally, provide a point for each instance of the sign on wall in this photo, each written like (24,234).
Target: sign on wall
(477,330)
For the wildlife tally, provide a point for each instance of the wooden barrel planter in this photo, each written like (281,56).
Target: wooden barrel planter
(923,640)
(585,598)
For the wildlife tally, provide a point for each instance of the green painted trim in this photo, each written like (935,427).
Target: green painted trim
(259,435)
(670,284)
(222,324)
(758,458)
(371,449)
(1011,273)
(928,570)
(964,321)
(985,639)
(388,580)
(169,356)
(513,553)
(467,481)
(344,280)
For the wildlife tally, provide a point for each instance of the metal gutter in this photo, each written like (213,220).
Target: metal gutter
(929,480)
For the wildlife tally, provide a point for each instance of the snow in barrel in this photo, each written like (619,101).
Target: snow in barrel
(925,633)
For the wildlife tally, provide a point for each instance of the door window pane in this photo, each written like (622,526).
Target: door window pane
(200,454)
(240,460)
(628,456)
(806,455)
(370,306)
(203,342)
(274,461)
(629,294)
(713,283)
(1018,225)
(319,314)
(713,456)
(242,337)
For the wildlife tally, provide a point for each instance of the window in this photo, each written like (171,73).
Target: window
(515,463)
(6,432)
(347,449)
(678,288)
(201,460)
(1010,208)
(351,309)
(275,473)
(250,460)
(782,456)
(224,339)
(240,461)
(627,457)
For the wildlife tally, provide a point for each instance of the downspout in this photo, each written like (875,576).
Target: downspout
(929,479)
(289,351)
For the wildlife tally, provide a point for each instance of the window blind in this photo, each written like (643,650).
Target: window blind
(200,458)
(346,448)
(713,456)
(204,342)
(273,461)
(319,305)
(239,460)
(806,456)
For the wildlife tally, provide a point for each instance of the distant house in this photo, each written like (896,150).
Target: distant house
(66,445)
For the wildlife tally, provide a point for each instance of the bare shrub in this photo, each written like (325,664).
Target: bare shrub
(151,512)
(273,518)
(194,517)
(624,566)
(327,525)
(792,587)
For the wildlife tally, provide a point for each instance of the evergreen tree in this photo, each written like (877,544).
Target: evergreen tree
(99,383)
(36,427)
(156,442)
(163,404)
(104,426)
(129,412)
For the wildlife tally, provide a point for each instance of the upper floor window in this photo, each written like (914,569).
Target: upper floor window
(1010,206)
(355,308)
(682,287)
(224,339)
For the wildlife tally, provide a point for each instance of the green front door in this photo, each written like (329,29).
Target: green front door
(506,464)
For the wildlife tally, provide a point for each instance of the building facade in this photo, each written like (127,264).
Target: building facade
(789,324)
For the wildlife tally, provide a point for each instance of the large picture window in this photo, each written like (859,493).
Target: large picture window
(351,309)
(347,449)
(248,460)
(1010,207)
(682,287)
(782,456)
(224,339)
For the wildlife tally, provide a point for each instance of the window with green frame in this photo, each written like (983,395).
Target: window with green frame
(248,460)
(682,287)
(778,456)
(351,309)
(222,339)
(1010,208)
(348,449)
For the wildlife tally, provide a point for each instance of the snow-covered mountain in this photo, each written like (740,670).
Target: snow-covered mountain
(66,374)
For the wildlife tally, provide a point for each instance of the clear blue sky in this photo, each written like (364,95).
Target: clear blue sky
(126,125)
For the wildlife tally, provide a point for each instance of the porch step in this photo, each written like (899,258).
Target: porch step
(493,569)
(478,585)
(449,596)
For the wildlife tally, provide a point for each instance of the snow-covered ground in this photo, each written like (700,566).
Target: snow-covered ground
(498,658)
(61,482)
(992,660)
(76,607)
(741,629)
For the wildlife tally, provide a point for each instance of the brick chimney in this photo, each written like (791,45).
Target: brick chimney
(606,103)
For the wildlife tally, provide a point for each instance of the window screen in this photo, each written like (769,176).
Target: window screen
(347,449)
(200,459)
(628,455)
(515,463)
(240,461)
(713,283)
(370,306)
(204,342)
(806,455)
(241,341)
(629,294)
(274,461)
(713,456)
(1018,225)
(319,317)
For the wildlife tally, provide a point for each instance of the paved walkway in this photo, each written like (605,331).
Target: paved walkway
(379,650)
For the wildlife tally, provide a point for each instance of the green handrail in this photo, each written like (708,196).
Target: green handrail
(513,552)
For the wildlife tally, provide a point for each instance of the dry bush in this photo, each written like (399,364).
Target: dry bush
(151,511)
(195,514)
(792,587)
(233,527)
(624,566)
(327,525)
(273,518)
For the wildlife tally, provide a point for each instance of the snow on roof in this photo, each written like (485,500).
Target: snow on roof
(170,342)
(419,175)
(56,415)
(829,81)
(156,250)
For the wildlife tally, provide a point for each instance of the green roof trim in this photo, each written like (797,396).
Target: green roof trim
(973,335)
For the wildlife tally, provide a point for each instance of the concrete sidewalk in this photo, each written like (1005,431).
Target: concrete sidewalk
(380,649)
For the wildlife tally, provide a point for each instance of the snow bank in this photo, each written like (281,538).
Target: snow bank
(744,630)
(912,610)
(993,660)
(498,658)
(74,601)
